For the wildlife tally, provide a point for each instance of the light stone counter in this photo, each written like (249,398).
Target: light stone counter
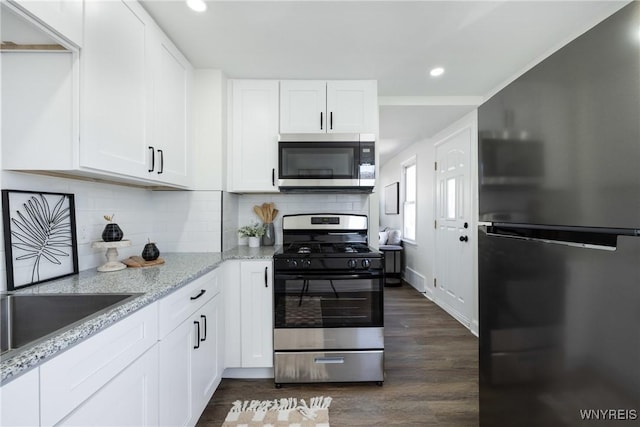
(152,283)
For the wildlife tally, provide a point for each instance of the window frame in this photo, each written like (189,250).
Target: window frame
(411,162)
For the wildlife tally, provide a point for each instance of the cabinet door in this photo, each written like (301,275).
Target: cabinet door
(254,136)
(176,369)
(170,133)
(130,399)
(62,16)
(114,89)
(303,106)
(69,379)
(257,314)
(352,106)
(20,401)
(207,363)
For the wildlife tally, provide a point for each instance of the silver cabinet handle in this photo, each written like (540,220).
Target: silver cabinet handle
(328,360)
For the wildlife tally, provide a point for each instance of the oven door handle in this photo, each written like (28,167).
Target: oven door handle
(328,276)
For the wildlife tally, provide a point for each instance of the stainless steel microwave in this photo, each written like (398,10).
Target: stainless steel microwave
(329,162)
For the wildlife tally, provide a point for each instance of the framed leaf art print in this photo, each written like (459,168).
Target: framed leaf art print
(40,240)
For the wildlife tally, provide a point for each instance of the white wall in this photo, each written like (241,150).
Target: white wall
(177,221)
(418,256)
(418,264)
(210,129)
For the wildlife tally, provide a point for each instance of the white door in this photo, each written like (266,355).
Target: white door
(454,238)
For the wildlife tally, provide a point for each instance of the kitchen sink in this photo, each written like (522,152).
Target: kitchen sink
(26,319)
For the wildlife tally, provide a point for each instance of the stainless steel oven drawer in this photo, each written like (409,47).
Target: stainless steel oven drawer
(328,338)
(329,366)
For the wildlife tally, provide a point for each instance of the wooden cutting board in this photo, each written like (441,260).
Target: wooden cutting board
(138,261)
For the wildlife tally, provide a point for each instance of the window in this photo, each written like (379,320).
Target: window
(409,175)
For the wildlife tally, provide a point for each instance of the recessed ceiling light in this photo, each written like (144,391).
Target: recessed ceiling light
(197,5)
(438,71)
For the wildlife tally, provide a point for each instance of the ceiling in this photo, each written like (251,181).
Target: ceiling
(481,45)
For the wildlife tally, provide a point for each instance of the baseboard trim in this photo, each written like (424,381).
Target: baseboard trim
(248,373)
(415,279)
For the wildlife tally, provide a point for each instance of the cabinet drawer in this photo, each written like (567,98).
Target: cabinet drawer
(329,366)
(69,379)
(178,306)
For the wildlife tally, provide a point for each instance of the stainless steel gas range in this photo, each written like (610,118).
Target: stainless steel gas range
(328,301)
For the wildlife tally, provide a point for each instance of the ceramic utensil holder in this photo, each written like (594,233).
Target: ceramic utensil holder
(269,236)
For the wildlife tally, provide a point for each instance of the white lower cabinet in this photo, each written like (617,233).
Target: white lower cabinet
(129,399)
(89,370)
(190,365)
(20,402)
(158,366)
(249,310)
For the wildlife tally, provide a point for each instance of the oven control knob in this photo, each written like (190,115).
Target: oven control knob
(352,263)
(306,263)
(293,264)
(366,263)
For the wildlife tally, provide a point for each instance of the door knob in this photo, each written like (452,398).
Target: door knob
(464,238)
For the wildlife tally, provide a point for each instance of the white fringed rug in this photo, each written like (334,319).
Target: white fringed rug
(289,412)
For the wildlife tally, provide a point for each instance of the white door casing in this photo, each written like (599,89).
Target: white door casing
(454,236)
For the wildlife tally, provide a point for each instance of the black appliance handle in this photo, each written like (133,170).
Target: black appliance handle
(153,158)
(569,228)
(273,177)
(329,276)
(588,237)
(321,124)
(331,120)
(266,277)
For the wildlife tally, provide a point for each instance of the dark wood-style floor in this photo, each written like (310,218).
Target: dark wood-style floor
(431,375)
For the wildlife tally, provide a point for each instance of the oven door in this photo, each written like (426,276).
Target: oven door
(328,300)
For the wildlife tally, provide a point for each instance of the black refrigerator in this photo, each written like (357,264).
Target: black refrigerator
(559,236)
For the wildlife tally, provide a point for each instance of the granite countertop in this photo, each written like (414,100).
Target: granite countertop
(152,283)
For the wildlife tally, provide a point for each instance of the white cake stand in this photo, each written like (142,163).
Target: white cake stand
(112,254)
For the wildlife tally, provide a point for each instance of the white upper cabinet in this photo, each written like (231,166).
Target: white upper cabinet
(115,90)
(170,133)
(334,106)
(303,105)
(253,136)
(63,17)
(116,109)
(352,106)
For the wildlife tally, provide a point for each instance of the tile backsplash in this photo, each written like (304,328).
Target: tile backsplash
(288,204)
(177,221)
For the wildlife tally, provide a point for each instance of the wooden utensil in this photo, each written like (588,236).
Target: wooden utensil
(258,211)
